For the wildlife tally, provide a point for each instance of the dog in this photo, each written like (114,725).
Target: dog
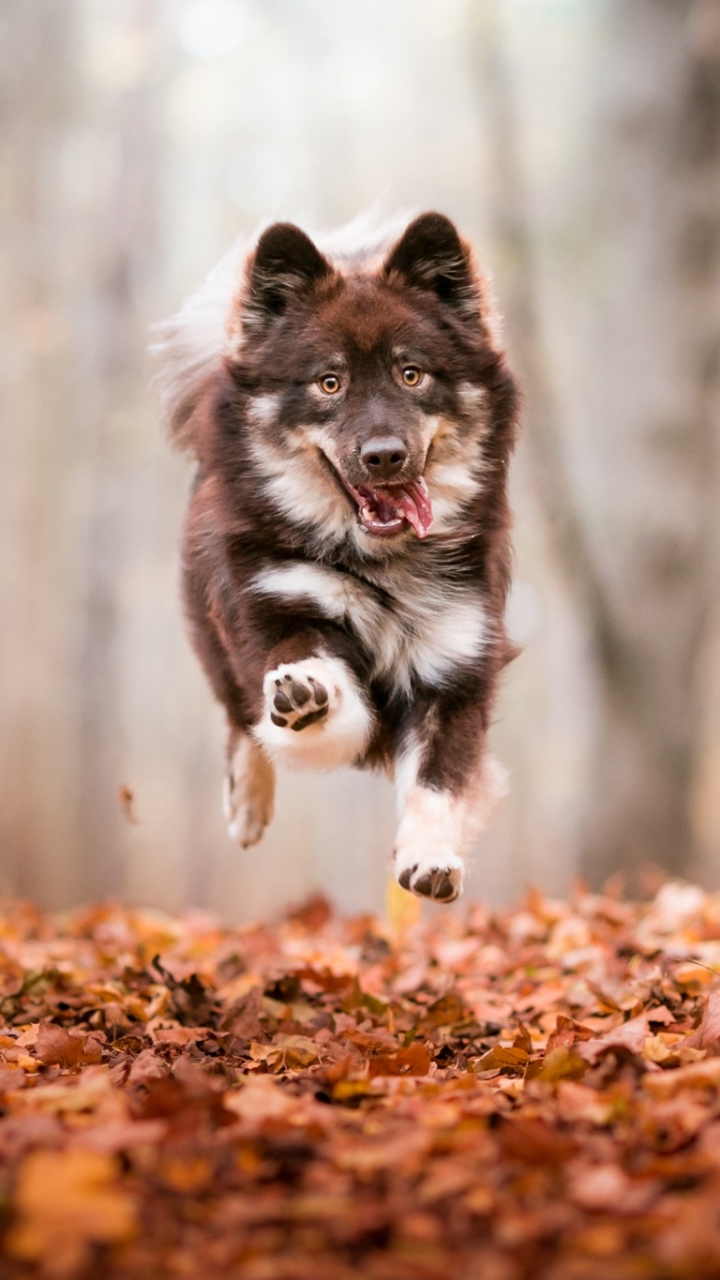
(346,554)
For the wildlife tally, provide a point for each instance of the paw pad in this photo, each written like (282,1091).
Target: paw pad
(297,703)
(441,884)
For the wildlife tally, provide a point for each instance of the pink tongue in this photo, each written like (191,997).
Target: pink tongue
(414,503)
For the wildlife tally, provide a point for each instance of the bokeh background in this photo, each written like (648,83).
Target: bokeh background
(578,143)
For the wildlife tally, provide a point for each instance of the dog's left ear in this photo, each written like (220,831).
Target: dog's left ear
(430,255)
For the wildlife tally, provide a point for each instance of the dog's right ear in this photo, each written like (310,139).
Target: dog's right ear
(285,265)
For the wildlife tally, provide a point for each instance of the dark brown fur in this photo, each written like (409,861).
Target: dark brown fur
(300,317)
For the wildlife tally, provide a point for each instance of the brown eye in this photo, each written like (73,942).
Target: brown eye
(330,384)
(412,376)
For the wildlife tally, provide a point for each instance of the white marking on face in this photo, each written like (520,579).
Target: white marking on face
(472,398)
(340,739)
(426,629)
(454,472)
(297,482)
(263,410)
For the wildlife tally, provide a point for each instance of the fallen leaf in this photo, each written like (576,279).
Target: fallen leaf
(66,1201)
(260,1101)
(413,1061)
(707,1035)
(501,1059)
(560,1064)
(66,1048)
(698,1075)
(607,1187)
(403,909)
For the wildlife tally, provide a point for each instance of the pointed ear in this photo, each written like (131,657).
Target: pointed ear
(430,255)
(285,265)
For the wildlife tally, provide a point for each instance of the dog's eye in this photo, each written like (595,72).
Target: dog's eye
(330,384)
(412,376)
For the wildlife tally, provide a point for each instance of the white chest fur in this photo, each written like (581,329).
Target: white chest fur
(415,628)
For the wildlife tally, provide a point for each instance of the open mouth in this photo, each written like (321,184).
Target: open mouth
(391,509)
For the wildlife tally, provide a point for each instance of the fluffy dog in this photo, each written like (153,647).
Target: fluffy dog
(346,553)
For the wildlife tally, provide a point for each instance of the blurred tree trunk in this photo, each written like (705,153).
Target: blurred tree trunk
(658,338)
(77,251)
(637,541)
(38,763)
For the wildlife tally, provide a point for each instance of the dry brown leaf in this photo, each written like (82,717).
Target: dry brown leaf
(698,1075)
(500,1058)
(66,1048)
(332,1100)
(707,1035)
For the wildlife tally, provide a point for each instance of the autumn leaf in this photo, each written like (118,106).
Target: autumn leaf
(66,1048)
(328,1097)
(445,1011)
(64,1202)
(707,1035)
(126,796)
(403,909)
(500,1058)
(559,1064)
(413,1061)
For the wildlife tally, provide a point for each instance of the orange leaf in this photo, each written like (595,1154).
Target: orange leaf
(66,1201)
(413,1061)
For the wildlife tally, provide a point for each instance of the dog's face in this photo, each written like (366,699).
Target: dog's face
(366,406)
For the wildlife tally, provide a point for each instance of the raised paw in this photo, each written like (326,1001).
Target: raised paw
(320,696)
(297,699)
(440,881)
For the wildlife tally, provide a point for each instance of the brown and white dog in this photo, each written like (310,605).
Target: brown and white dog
(346,551)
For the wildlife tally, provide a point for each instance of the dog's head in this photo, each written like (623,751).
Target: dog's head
(369,387)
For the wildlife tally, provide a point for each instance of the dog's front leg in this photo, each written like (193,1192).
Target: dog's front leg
(314,714)
(447,790)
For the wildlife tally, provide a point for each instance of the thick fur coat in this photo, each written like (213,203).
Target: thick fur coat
(346,553)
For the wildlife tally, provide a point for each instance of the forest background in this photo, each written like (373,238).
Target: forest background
(578,143)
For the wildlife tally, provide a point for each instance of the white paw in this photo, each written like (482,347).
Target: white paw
(248,793)
(438,877)
(315,715)
(299,694)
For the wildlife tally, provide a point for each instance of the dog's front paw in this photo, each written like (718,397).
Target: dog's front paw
(314,715)
(440,879)
(296,698)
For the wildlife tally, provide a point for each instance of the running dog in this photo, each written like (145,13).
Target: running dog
(346,553)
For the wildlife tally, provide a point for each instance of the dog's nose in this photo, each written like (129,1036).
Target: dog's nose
(384,457)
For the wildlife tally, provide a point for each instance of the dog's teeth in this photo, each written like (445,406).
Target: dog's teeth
(366,513)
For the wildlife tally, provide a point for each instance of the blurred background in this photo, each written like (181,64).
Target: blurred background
(578,143)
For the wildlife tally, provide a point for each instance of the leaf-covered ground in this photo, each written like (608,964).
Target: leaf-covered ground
(526,1095)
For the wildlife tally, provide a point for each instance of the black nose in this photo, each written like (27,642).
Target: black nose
(384,457)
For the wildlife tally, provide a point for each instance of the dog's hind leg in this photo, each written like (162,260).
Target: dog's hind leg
(314,715)
(248,789)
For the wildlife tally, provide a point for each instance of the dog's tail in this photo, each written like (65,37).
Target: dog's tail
(188,348)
